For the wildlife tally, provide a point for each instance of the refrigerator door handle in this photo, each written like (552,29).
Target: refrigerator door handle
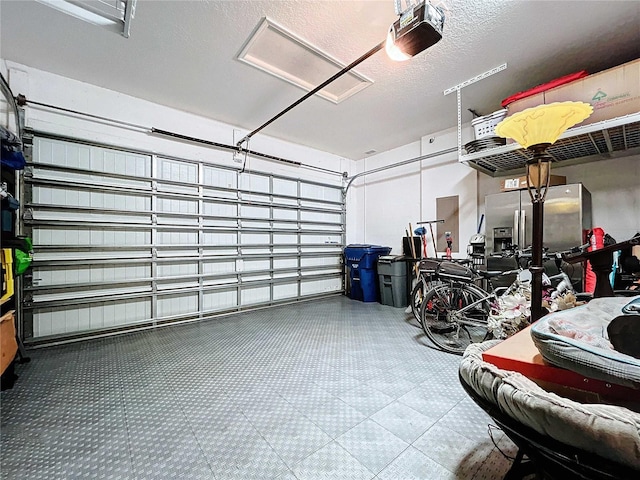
(523,226)
(516,220)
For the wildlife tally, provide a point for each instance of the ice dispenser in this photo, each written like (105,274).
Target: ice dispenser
(502,239)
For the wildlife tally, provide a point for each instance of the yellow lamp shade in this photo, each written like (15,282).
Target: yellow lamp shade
(544,123)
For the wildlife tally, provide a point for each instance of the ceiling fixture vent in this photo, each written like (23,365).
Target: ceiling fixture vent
(279,52)
(115,15)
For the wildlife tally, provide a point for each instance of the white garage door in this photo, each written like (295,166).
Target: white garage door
(124,239)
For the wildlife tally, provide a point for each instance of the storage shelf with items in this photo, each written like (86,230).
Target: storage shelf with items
(12,160)
(612,131)
(618,137)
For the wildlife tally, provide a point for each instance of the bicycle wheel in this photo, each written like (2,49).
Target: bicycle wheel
(453,317)
(417,296)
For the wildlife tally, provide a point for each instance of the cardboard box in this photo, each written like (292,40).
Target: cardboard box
(520,183)
(612,93)
(8,343)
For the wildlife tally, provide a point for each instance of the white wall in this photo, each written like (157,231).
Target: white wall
(444,176)
(386,202)
(614,185)
(45,87)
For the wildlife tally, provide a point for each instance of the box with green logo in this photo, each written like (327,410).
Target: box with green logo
(612,93)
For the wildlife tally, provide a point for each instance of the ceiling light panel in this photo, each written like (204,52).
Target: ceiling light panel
(279,52)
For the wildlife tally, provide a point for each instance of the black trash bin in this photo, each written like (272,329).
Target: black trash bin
(392,276)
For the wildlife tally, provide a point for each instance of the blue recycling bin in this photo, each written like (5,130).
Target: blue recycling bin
(360,261)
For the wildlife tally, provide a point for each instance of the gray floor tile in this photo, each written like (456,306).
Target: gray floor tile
(295,439)
(391,384)
(424,400)
(288,475)
(414,465)
(308,398)
(331,463)
(270,415)
(415,372)
(467,419)
(372,445)
(403,421)
(362,371)
(367,400)
(495,466)
(168,458)
(338,383)
(335,417)
(241,455)
(454,451)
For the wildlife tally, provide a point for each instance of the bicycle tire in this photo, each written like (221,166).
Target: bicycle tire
(439,321)
(417,295)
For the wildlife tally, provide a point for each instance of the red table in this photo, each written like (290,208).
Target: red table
(519,354)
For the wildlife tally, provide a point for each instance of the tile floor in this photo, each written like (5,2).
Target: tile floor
(329,389)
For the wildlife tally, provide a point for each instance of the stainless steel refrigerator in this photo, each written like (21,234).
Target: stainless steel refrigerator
(508,221)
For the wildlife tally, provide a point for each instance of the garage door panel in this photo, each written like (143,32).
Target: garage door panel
(87,237)
(285,291)
(177,304)
(219,209)
(101,315)
(176,170)
(315,287)
(217,177)
(218,267)
(254,295)
(124,239)
(252,182)
(220,300)
(285,263)
(66,275)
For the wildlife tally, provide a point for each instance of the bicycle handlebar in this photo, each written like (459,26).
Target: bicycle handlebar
(527,252)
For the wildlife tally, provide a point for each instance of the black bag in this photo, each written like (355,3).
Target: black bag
(624,334)
(429,266)
(455,271)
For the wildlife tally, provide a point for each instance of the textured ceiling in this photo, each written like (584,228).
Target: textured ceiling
(182,54)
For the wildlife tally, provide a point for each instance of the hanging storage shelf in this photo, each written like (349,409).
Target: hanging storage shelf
(617,137)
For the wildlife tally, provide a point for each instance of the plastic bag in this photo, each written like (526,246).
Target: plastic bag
(24,257)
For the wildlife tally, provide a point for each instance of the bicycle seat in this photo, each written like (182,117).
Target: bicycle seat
(462,261)
(489,274)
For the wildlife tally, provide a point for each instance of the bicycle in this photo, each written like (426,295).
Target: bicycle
(426,281)
(565,285)
(455,313)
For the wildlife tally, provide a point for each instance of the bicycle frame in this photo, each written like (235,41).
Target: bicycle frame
(459,315)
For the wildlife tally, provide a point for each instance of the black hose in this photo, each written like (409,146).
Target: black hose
(356,62)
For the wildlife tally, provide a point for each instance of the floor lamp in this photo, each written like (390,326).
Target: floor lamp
(536,129)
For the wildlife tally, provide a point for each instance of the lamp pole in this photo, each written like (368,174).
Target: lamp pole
(538,179)
(536,267)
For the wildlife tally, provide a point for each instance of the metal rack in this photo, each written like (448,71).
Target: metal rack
(617,137)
